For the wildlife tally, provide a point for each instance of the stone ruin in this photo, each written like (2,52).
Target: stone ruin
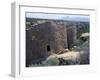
(71,36)
(48,38)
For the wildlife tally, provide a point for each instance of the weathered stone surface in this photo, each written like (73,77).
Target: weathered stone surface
(71,36)
(43,40)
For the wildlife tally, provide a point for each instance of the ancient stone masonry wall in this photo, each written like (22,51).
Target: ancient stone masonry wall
(60,37)
(44,39)
(71,36)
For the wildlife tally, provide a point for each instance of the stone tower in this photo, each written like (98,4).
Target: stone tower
(71,36)
(44,39)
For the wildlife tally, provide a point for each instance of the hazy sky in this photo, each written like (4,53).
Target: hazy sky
(59,17)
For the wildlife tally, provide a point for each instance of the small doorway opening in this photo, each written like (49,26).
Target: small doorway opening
(48,48)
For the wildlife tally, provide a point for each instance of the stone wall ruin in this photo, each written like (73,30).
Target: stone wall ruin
(47,38)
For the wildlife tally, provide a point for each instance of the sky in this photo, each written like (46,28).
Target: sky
(68,17)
